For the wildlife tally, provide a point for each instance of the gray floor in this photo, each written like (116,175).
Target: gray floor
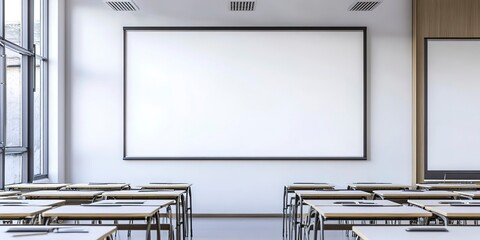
(237,229)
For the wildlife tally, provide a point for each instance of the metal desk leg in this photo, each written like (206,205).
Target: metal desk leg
(284,209)
(190,203)
(157,219)
(294,217)
(184,216)
(300,224)
(149,227)
(170,230)
(177,218)
(315,228)
(322,227)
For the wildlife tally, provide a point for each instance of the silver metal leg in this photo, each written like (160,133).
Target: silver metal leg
(157,220)
(149,227)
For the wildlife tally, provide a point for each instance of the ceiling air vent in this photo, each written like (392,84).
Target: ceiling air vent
(363,6)
(240,6)
(122,5)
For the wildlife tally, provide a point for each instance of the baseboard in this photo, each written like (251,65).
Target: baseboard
(237,215)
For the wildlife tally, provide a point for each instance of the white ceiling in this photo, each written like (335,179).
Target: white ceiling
(315,10)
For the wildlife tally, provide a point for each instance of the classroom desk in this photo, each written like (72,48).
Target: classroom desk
(350,213)
(99,186)
(402,196)
(178,196)
(448,186)
(16,202)
(370,187)
(29,213)
(94,233)
(447,213)
(289,189)
(115,213)
(187,187)
(71,197)
(129,202)
(300,196)
(9,193)
(424,203)
(339,203)
(28,187)
(469,194)
(400,233)
(347,202)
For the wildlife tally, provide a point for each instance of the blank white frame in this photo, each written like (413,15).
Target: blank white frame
(452,108)
(263,114)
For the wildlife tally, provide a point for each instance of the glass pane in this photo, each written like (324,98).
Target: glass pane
(38,31)
(13,168)
(38,117)
(13,21)
(14,99)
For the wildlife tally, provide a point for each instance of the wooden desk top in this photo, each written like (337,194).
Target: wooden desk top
(99,186)
(424,203)
(448,186)
(309,186)
(378,186)
(130,202)
(36,186)
(51,203)
(9,193)
(94,233)
(343,201)
(21,211)
(399,194)
(175,186)
(62,194)
(325,194)
(399,233)
(472,194)
(103,212)
(455,211)
(371,212)
(138,194)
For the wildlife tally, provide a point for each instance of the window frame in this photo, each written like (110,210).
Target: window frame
(28,78)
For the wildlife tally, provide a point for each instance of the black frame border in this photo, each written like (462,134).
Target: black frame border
(440,174)
(262,28)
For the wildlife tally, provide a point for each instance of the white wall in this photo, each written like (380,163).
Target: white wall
(94,103)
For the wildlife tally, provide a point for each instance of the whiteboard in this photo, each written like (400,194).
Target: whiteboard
(453,105)
(244,93)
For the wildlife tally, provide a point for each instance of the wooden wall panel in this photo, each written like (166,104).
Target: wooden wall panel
(435,18)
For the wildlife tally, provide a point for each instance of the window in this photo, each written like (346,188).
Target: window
(23,74)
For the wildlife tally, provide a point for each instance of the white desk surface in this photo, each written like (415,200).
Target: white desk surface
(51,203)
(339,202)
(21,211)
(106,186)
(52,194)
(424,203)
(101,212)
(9,193)
(137,194)
(399,233)
(371,212)
(130,202)
(399,194)
(332,194)
(448,186)
(309,186)
(474,194)
(176,186)
(455,211)
(94,233)
(378,186)
(36,186)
